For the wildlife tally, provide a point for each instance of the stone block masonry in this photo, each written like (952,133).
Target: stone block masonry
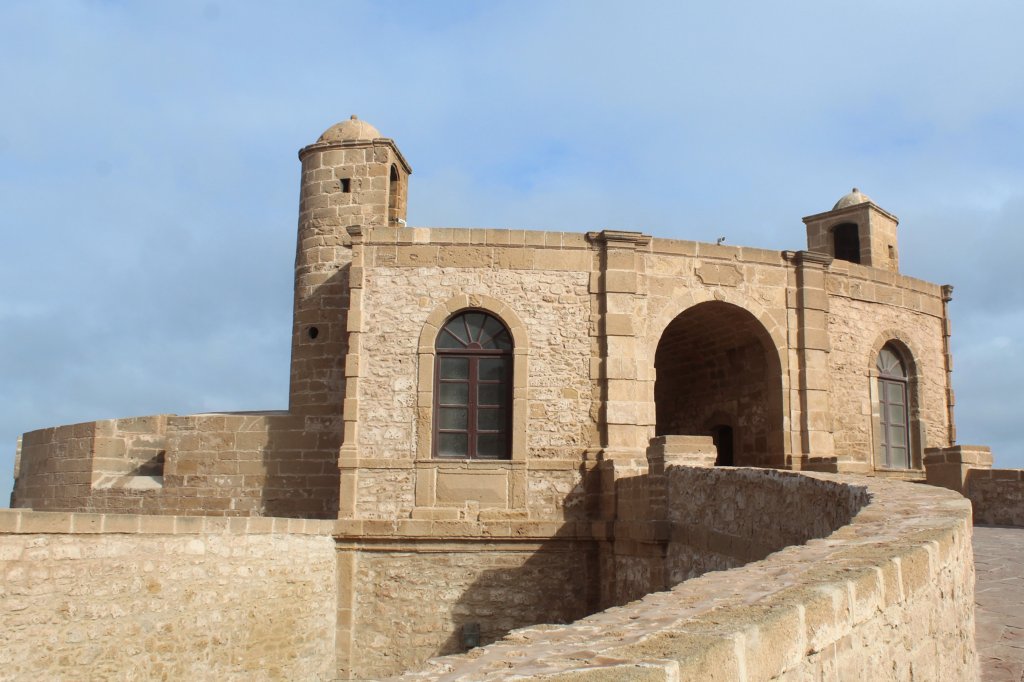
(255,464)
(887,597)
(613,358)
(103,596)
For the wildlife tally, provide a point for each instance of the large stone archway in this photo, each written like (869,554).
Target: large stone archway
(719,374)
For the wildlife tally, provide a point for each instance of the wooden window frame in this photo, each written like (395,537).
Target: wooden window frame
(473,355)
(902,382)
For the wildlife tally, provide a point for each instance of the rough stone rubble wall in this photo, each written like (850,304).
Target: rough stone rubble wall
(887,597)
(162,597)
(721,518)
(409,275)
(690,520)
(863,315)
(554,307)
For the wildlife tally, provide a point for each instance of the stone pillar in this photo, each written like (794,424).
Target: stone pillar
(948,467)
(625,406)
(809,300)
(947,332)
(348,455)
(627,388)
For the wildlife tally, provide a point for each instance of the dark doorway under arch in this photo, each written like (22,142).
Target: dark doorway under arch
(716,360)
(722,437)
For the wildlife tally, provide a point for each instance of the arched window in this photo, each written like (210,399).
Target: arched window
(846,242)
(473,388)
(894,422)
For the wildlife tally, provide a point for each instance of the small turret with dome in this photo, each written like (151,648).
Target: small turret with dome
(350,130)
(856,230)
(854,197)
(353,180)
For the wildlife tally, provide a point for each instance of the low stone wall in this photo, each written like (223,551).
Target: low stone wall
(997,496)
(249,464)
(75,467)
(681,523)
(163,597)
(253,465)
(723,518)
(888,596)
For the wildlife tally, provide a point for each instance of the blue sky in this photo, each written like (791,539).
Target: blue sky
(149,182)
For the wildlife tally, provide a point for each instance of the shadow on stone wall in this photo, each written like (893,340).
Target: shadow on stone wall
(668,526)
(556,583)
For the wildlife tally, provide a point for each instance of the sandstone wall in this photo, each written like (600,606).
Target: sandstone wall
(721,518)
(253,465)
(408,283)
(887,597)
(93,596)
(997,496)
(682,523)
(411,280)
(867,309)
(412,602)
(731,356)
(75,467)
(211,464)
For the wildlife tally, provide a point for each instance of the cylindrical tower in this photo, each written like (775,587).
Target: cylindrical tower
(352,181)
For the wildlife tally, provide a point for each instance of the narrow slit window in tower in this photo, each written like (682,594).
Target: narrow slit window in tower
(394,211)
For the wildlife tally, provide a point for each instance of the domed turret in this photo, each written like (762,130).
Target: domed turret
(353,181)
(852,199)
(350,130)
(856,230)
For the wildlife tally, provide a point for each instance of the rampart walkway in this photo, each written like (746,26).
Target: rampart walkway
(999,595)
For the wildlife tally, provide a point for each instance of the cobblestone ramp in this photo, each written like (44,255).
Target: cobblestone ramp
(999,599)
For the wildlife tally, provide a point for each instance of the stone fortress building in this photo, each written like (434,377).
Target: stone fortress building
(490,429)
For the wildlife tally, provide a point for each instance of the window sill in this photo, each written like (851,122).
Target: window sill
(453,463)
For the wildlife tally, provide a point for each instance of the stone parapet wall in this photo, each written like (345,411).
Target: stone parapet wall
(888,596)
(997,496)
(720,518)
(109,596)
(253,465)
(258,464)
(76,466)
(681,522)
